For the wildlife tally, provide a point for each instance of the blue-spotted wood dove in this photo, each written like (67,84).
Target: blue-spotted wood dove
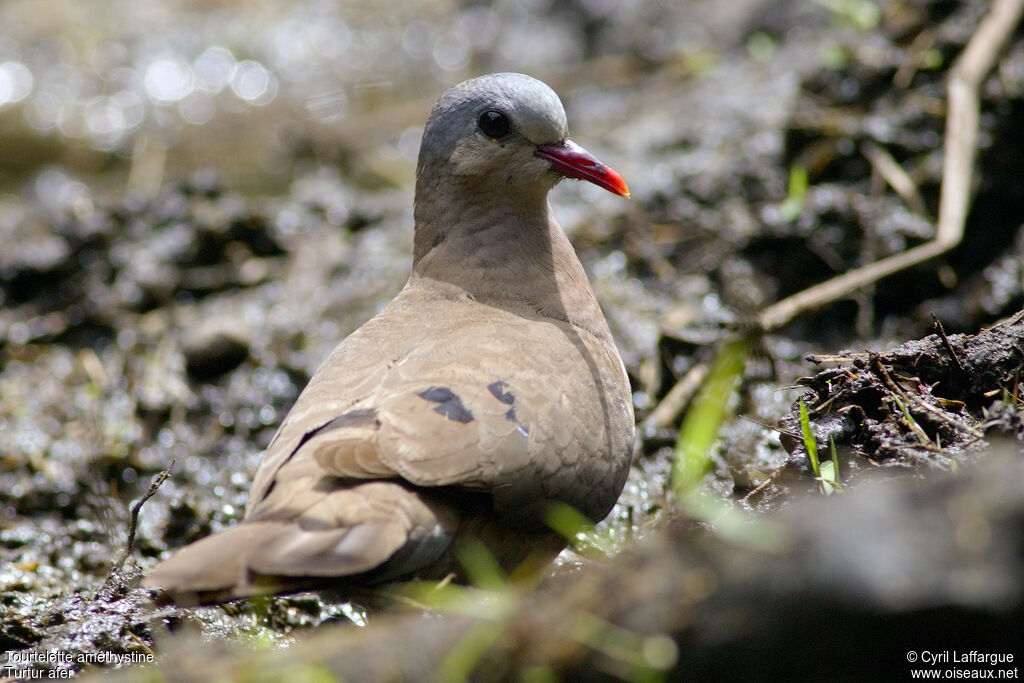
(488,388)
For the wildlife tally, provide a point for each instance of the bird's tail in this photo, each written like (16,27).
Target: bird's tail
(217,569)
(367,533)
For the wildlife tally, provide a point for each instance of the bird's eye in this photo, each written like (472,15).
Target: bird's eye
(493,124)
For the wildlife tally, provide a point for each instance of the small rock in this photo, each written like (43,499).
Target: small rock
(214,347)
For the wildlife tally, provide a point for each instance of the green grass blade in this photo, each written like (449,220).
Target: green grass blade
(809,443)
(481,568)
(710,409)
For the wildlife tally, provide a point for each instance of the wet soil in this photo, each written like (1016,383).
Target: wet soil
(922,402)
(168,286)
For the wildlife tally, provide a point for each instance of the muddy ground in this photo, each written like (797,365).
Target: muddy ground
(198,201)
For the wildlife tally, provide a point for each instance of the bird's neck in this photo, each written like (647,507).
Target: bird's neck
(507,252)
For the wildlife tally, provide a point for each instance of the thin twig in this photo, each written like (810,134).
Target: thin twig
(133,524)
(774,428)
(904,75)
(676,400)
(821,358)
(772,478)
(898,179)
(946,342)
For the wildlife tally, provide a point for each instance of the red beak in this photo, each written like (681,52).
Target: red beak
(573,161)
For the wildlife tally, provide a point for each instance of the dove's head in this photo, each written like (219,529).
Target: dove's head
(504,133)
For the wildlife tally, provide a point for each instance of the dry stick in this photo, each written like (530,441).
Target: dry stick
(136,508)
(115,570)
(959,147)
(819,358)
(898,179)
(772,478)
(946,342)
(676,399)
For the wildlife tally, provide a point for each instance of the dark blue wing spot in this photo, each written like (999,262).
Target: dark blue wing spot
(438,394)
(510,415)
(499,391)
(450,404)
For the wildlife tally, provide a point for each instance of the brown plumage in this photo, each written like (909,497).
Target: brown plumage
(488,389)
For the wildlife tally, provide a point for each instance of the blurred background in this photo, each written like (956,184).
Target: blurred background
(106,88)
(199,198)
